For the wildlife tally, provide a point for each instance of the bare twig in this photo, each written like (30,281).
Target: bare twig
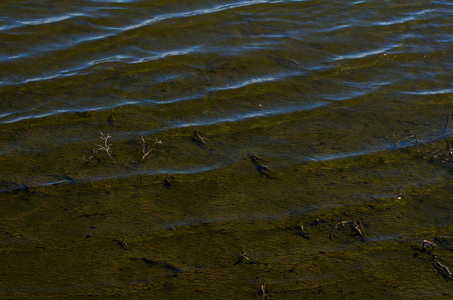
(356,228)
(146,151)
(443,269)
(243,258)
(94,153)
(197,138)
(426,242)
(262,293)
(89,159)
(106,147)
(337,226)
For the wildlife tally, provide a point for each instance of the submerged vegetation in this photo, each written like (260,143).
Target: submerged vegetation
(341,235)
(226,150)
(319,227)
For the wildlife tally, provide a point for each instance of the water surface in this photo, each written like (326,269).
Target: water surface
(306,113)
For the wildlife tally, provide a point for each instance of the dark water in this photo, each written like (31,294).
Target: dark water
(322,148)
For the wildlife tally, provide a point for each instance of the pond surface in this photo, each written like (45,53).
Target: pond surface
(226,149)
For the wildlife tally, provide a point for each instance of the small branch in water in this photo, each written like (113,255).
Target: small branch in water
(262,168)
(426,242)
(356,229)
(197,138)
(122,244)
(90,158)
(106,147)
(243,258)
(168,181)
(443,269)
(337,226)
(262,293)
(146,151)
(301,231)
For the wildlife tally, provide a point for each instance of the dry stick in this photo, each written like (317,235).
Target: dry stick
(361,224)
(426,242)
(198,138)
(262,292)
(144,151)
(357,229)
(443,269)
(90,158)
(106,146)
(342,224)
(243,257)
(147,151)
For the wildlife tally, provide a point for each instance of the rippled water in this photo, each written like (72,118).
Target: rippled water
(144,144)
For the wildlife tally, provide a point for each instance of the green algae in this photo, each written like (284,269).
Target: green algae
(273,157)
(61,240)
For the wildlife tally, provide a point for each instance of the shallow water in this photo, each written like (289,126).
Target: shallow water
(305,113)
